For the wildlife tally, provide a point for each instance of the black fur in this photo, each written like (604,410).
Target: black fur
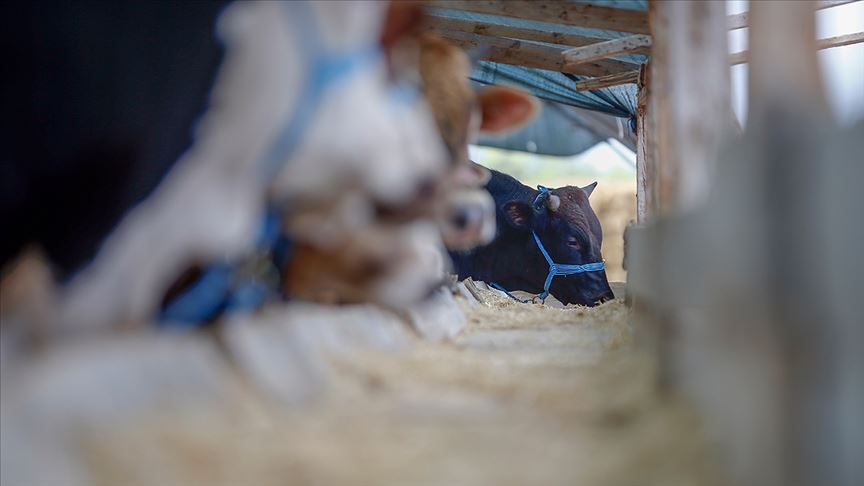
(100,98)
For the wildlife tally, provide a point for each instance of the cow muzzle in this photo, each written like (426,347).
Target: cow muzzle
(466,219)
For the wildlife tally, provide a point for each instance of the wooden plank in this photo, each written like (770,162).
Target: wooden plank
(741,20)
(630,77)
(578,14)
(638,43)
(827,43)
(440,23)
(529,54)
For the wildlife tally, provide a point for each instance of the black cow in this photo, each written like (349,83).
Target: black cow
(99,100)
(565,226)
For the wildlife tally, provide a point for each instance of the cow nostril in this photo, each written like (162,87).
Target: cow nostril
(466,216)
(427,188)
(460,220)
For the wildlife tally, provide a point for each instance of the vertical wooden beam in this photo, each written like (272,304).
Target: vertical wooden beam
(690,98)
(645,161)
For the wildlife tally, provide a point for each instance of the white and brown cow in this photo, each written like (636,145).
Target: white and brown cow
(303,113)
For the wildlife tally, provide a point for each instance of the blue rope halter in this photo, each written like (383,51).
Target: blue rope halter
(555,269)
(224,287)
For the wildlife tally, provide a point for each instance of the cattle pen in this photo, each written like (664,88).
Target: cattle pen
(733,354)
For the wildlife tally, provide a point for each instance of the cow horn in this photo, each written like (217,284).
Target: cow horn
(553,203)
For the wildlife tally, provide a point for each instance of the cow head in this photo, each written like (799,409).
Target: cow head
(571,233)
(465,213)
(302,111)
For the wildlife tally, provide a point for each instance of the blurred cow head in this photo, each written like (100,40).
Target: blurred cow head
(338,261)
(303,112)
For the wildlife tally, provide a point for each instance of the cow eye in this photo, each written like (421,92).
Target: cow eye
(573,242)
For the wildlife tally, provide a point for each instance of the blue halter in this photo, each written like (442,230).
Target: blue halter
(226,287)
(555,269)
(323,70)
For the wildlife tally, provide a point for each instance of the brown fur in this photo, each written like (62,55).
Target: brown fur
(330,277)
(346,274)
(573,204)
(444,69)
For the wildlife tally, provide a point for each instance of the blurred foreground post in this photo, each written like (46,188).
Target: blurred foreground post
(684,114)
(690,99)
(752,296)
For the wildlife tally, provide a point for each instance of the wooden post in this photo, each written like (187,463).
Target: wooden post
(690,97)
(767,346)
(645,161)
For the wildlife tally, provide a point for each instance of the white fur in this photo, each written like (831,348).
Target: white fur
(422,264)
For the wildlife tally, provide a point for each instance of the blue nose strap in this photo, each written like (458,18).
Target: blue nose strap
(564,269)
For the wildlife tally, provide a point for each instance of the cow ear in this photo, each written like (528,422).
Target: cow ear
(589,188)
(518,214)
(470,175)
(506,109)
(403,19)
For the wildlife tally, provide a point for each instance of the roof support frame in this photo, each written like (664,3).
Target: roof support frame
(634,44)
(582,15)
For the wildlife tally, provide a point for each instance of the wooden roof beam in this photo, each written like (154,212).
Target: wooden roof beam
(439,23)
(578,14)
(630,77)
(827,43)
(634,44)
(741,20)
(523,53)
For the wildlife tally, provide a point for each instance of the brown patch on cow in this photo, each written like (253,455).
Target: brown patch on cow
(403,19)
(330,277)
(346,273)
(444,69)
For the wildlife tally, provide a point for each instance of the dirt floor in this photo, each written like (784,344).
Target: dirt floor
(526,394)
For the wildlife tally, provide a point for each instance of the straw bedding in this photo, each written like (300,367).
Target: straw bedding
(525,394)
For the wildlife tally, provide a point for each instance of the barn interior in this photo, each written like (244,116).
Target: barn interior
(731,355)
